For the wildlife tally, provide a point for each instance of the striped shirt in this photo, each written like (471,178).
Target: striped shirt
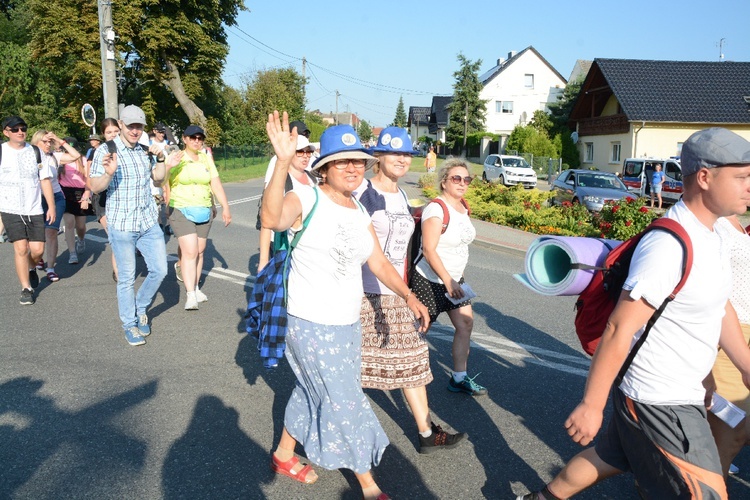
(130,206)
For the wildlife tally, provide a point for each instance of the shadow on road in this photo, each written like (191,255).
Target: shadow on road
(215,458)
(73,451)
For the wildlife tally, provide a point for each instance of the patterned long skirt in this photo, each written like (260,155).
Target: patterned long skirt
(328,413)
(394,354)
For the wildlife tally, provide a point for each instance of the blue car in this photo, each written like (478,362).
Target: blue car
(589,187)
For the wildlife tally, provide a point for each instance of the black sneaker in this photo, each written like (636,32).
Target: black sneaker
(439,440)
(33,278)
(27,297)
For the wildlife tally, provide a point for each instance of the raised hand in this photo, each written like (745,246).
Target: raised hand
(283,140)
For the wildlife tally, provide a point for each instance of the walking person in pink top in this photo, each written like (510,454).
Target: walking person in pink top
(78,206)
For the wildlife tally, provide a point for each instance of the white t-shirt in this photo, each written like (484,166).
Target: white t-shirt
(453,245)
(393,225)
(681,347)
(739,252)
(325,277)
(20,176)
(50,164)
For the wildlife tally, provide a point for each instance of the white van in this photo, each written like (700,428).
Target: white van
(637,172)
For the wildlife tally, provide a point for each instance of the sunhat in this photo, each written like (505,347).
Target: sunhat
(303,144)
(394,140)
(341,142)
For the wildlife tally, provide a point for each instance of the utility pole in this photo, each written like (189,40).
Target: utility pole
(336,118)
(721,50)
(107,47)
(304,88)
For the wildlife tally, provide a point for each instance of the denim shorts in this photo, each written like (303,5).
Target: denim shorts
(59,209)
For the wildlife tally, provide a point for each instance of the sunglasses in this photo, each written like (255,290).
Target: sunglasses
(197,137)
(305,153)
(342,164)
(22,128)
(456,179)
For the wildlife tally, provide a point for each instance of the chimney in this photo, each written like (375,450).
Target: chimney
(511,54)
(500,61)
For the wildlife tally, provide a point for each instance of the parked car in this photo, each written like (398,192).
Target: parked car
(509,171)
(637,173)
(591,188)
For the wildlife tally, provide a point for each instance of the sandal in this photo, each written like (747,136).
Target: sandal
(52,276)
(285,468)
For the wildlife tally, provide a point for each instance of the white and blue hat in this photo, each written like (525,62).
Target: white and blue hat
(341,142)
(394,140)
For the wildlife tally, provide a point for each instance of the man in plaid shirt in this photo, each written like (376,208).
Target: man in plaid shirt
(132,218)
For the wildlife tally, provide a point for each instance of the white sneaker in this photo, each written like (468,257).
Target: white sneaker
(200,296)
(73,259)
(191,304)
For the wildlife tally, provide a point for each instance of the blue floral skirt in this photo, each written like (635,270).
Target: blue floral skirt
(328,413)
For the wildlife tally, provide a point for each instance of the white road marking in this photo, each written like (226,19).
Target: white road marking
(245,200)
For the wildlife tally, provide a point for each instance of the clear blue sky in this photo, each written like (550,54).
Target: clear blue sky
(373,52)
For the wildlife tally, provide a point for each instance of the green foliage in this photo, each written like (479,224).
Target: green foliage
(426,139)
(266,91)
(528,139)
(427,181)
(466,102)
(541,122)
(624,219)
(364,131)
(400,120)
(475,139)
(560,111)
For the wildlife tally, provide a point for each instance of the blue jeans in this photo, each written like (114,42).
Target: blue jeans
(154,251)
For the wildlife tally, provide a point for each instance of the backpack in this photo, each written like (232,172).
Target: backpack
(597,301)
(37,153)
(414,249)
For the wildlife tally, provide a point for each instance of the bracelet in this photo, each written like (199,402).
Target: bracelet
(63,143)
(406,297)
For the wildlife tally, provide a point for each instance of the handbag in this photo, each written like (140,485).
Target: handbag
(198,215)
(266,311)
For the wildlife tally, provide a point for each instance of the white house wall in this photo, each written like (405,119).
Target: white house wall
(508,85)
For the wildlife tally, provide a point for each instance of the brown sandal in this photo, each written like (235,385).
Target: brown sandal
(285,468)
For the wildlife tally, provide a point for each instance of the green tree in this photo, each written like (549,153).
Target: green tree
(364,131)
(542,122)
(560,110)
(528,139)
(400,120)
(466,104)
(265,91)
(315,124)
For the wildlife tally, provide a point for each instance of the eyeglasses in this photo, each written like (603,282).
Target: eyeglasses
(22,128)
(197,137)
(456,179)
(342,164)
(306,153)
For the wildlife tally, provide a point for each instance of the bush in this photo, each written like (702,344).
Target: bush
(623,219)
(427,181)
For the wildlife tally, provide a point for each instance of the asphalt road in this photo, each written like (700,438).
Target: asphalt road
(193,414)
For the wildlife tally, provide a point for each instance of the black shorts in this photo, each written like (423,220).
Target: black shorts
(99,201)
(73,202)
(432,295)
(23,227)
(669,449)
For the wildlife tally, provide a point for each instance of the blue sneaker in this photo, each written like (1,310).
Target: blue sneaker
(133,336)
(143,327)
(467,386)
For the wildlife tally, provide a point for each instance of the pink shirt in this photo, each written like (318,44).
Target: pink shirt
(72,178)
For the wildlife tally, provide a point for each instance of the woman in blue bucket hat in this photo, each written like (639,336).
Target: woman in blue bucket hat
(394,354)
(327,412)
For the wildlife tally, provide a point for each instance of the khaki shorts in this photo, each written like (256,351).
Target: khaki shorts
(728,379)
(181,226)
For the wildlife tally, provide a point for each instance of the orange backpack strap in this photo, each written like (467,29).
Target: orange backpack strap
(446,212)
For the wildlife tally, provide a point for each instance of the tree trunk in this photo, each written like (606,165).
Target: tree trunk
(193,112)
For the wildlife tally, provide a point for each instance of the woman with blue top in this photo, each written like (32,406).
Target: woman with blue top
(192,180)
(394,354)
(657,181)
(328,413)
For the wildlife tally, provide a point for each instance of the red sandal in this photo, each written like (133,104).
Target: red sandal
(285,468)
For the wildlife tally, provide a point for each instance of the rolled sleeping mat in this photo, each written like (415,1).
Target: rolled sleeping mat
(564,265)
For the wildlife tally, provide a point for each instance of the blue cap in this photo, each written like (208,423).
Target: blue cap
(341,142)
(394,140)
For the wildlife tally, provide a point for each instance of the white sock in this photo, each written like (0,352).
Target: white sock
(50,269)
(459,376)
(191,294)
(426,433)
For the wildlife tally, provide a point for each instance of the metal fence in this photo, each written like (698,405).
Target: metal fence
(544,166)
(229,157)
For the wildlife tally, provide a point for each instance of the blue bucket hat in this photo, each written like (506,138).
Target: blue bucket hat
(394,140)
(341,142)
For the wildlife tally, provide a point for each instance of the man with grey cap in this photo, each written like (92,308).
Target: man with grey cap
(132,218)
(658,429)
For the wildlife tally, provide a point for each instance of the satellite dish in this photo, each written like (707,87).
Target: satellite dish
(574,137)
